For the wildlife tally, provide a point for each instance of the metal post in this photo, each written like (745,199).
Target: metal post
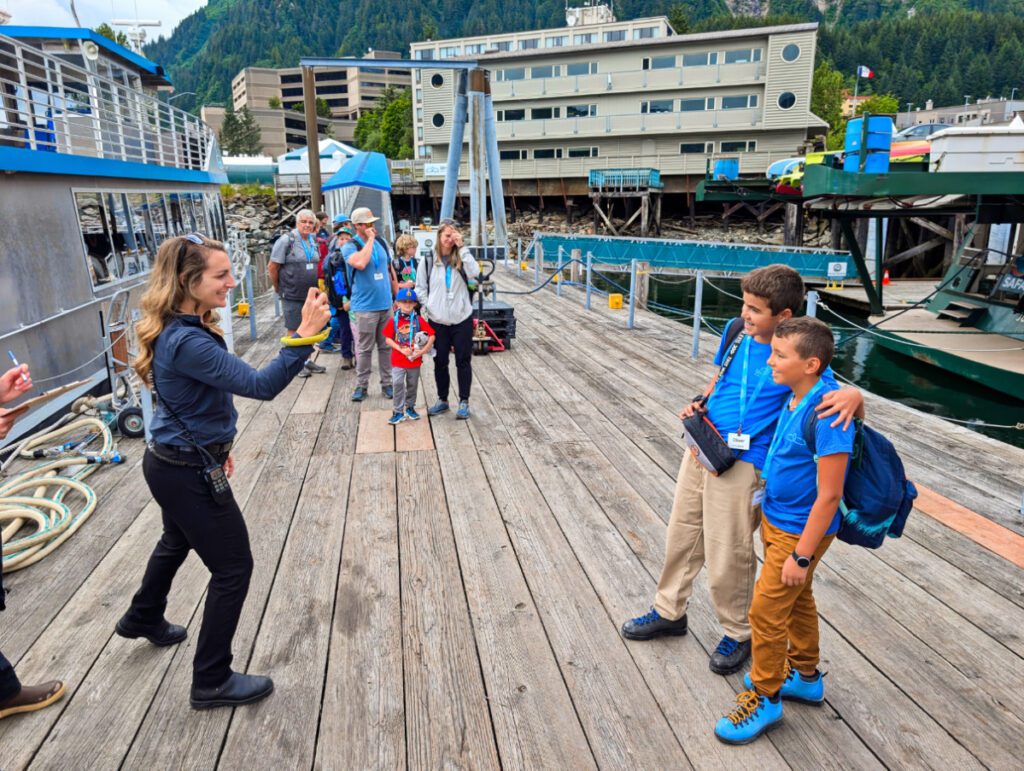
(538,258)
(316,198)
(451,177)
(519,252)
(812,303)
(632,293)
(477,159)
(558,272)
(494,168)
(590,274)
(698,301)
(252,302)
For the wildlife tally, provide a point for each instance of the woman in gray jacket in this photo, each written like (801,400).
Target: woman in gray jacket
(443,289)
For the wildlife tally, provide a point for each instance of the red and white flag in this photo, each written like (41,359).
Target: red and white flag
(864,72)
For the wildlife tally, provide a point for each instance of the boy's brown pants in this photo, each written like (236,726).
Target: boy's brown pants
(783,619)
(712,523)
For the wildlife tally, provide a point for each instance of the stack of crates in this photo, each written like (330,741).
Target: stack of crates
(500,317)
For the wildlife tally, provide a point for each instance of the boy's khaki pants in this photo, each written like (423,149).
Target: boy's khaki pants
(713,522)
(784,619)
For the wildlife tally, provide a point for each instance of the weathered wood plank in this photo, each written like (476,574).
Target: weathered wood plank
(362,722)
(375,435)
(317,388)
(294,633)
(447,715)
(535,723)
(413,435)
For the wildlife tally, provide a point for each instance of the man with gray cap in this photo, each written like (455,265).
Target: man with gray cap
(370,302)
(292,270)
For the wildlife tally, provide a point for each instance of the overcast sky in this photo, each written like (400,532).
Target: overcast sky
(92,13)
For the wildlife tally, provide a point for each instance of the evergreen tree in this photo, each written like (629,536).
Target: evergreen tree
(229,133)
(388,127)
(248,139)
(108,32)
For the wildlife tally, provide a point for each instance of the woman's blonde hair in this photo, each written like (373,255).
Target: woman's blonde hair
(454,259)
(178,267)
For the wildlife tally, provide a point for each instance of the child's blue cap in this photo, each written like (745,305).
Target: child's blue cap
(405,294)
(340,218)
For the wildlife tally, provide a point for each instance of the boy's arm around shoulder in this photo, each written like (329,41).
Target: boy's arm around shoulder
(845,403)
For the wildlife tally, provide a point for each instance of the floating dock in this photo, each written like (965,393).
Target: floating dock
(449,594)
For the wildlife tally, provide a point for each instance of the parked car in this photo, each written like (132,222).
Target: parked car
(920,131)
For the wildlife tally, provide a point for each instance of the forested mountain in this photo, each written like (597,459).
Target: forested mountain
(920,49)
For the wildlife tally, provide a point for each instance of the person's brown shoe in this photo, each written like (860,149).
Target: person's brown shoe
(347,364)
(32,697)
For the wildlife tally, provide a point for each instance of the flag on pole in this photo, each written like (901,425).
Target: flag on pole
(864,72)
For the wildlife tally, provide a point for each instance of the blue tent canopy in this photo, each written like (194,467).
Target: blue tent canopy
(362,170)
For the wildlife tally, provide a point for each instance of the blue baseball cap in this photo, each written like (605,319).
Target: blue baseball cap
(405,294)
(340,218)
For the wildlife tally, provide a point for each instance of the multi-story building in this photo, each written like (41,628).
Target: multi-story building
(281,130)
(274,97)
(602,93)
(983,112)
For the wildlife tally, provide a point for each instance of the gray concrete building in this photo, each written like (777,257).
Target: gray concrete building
(602,93)
(982,112)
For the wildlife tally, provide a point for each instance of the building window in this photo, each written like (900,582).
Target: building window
(545,113)
(437,80)
(643,33)
(503,45)
(550,71)
(343,102)
(512,73)
(581,111)
(739,102)
(697,105)
(656,105)
(291,78)
(582,152)
(512,155)
(696,148)
(529,43)
(291,91)
(742,146)
(449,52)
(556,42)
(584,39)
(791,53)
(474,48)
(507,115)
(419,130)
(743,56)
(340,88)
(615,36)
(659,63)
(703,59)
(786,100)
(372,84)
(581,68)
(426,54)
(419,114)
(426,151)
(437,120)
(547,152)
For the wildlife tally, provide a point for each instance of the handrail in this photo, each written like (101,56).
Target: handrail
(48,104)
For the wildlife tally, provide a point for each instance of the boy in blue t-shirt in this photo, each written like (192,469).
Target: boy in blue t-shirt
(801,517)
(713,518)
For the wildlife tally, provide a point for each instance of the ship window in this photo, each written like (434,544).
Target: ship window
(117,244)
(158,218)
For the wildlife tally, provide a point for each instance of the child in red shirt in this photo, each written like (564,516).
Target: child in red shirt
(401,333)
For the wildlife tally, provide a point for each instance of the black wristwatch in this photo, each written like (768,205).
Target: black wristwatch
(802,561)
(697,398)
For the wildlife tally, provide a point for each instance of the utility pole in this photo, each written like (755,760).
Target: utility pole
(316,200)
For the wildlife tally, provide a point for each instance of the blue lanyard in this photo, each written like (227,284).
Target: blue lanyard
(310,249)
(413,328)
(743,383)
(785,419)
(448,277)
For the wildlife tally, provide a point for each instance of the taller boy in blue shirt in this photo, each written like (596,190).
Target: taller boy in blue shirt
(714,517)
(801,517)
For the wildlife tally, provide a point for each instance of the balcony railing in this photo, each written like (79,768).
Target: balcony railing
(50,105)
(630,123)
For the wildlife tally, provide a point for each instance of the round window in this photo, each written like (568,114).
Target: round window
(791,53)
(786,100)
(437,120)
(437,80)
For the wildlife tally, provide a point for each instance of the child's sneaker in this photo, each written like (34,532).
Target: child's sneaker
(463,412)
(729,656)
(411,414)
(752,716)
(796,687)
(397,418)
(651,625)
(327,348)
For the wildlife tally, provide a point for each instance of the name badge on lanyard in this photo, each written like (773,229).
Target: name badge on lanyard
(310,249)
(739,440)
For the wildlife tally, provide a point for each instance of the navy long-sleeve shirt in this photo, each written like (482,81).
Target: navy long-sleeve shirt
(196,375)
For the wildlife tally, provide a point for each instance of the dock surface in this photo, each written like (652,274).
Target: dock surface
(449,594)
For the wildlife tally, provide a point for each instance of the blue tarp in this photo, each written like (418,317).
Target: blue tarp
(362,170)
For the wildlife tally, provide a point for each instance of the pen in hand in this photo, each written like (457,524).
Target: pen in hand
(24,377)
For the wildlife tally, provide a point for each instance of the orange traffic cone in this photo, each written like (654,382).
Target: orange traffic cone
(885,278)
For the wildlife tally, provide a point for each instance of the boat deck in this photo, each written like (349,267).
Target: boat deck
(896,295)
(448,594)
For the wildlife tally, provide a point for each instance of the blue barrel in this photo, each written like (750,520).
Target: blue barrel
(877,142)
(727,168)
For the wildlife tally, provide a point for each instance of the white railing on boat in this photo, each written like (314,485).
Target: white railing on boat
(51,105)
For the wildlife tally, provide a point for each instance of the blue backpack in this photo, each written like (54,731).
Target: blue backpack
(877,496)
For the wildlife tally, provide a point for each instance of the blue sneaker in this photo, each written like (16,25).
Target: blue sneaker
(359,394)
(752,716)
(329,348)
(439,406)
(796,687)
(396,418)
(411,414)
(388,391)
(463,412)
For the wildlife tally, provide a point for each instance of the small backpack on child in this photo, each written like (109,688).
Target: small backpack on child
(877,496)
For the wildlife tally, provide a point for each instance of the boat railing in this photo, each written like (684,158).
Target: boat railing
(48,104)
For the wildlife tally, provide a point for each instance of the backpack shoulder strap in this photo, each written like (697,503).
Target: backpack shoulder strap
(733,330)
(810,421)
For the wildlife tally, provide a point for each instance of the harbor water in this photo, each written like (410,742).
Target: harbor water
(858,359)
